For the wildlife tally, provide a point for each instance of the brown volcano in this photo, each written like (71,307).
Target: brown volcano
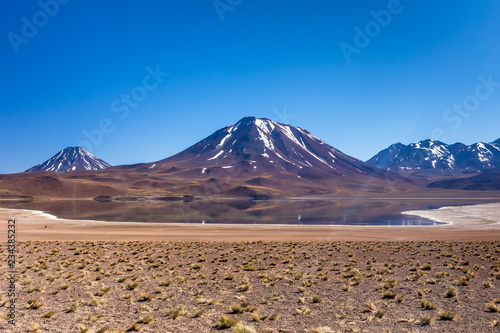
(256,158)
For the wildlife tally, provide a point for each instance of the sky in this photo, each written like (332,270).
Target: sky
(139,81)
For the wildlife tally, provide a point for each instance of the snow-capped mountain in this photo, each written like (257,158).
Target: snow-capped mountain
(69,159)
(255,145)
(436,157)
(254,158)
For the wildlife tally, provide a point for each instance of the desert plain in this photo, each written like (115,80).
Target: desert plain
(90,276)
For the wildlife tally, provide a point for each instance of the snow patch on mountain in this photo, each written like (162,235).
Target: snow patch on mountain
(216,156)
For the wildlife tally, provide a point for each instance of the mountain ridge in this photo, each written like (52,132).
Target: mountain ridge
(433,157)
(255,158)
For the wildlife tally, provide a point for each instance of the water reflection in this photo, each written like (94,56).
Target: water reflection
(293,212)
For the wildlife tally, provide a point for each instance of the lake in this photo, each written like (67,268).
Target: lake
(320,211)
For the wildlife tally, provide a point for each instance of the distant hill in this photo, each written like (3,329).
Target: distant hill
(484,181)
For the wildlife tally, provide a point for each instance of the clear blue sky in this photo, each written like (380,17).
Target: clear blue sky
(69,75)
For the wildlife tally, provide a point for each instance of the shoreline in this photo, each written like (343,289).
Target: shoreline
(469,222)
(484,216)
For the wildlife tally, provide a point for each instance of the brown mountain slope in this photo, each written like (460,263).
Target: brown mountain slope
(255,158)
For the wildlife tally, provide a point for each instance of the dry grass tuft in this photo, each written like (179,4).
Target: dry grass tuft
(428,305)
(134,328)
(146,320)
(425,320)
(447,315)
(379,314)
(226,322)
(176,312)
(49,314)
(242,307)
(487,284)
(492,307)
(242,328)
(33,304)
(317,299)
(34,327)
(303,310)
(323,329)
(451,292)
(369,307)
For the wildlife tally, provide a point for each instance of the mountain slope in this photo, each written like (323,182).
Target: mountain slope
(254,158)
(488,180)
(71,159)
(429,157)
(259,156)
(261,145)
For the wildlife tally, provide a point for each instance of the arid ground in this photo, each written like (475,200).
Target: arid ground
(85,276)
(79,286)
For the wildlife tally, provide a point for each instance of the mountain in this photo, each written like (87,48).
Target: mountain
(70,159)
(430,157)
(255,145)
(255,158)
(258,157)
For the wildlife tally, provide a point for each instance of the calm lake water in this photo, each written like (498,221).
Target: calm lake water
(294,212)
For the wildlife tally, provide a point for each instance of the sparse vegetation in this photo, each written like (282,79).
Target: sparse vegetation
(425,320)
(303,310)
(242,307)
(389,294)
(257,286)
(226,322)
(451,292)
(379,313)
(317,299)
(447,315)
(34,327)
(323,329)
(49,314)
(134,328)
(132,285)
(428,305)
(242,328)
(177,311)
(492,307)
(146,320)
(33,304)
(369,306)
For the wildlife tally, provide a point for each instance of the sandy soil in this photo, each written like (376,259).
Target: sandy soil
(475,222)
(269,283)
(269,287)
